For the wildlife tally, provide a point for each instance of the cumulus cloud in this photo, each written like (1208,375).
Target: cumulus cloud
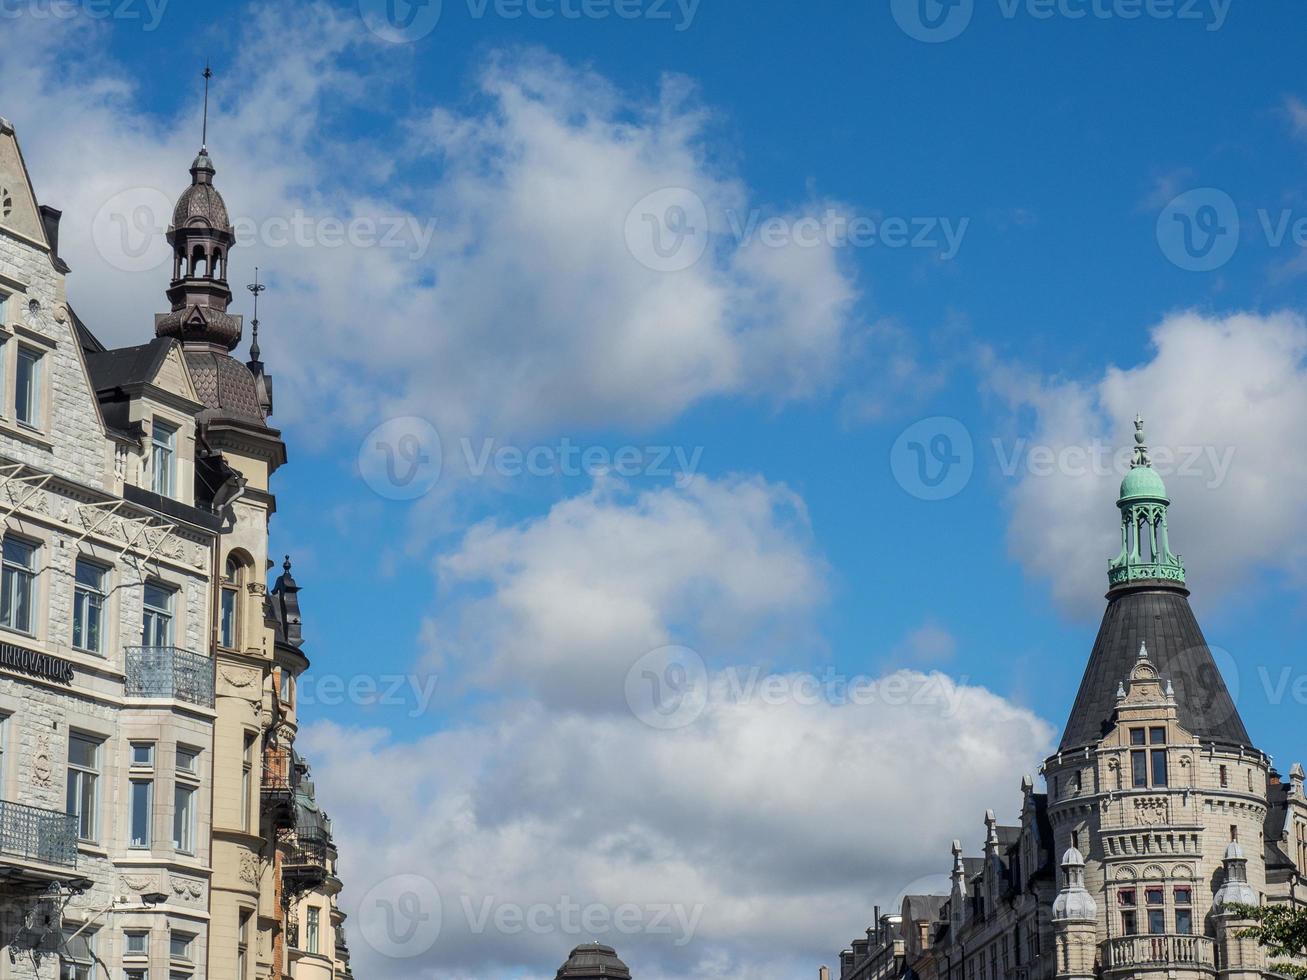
(768,827)
(1223,398)
(514,299)
(565,603)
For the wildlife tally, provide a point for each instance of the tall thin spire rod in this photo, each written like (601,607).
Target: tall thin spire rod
(208,73)
(256,288)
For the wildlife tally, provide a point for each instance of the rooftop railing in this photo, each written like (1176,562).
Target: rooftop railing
(170,673)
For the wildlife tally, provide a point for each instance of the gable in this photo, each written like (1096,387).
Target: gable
(18,211)
(173,376)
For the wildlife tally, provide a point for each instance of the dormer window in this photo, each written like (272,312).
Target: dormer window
(163,459)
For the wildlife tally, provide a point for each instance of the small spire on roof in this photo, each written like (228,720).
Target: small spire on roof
(1143,650)
(1141,445)
(204,137)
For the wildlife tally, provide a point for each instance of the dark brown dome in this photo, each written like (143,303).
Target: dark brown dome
(201,204)
(593,961)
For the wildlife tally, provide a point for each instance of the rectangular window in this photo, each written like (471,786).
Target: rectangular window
(1126,898)
(142,754)
(136,973)
(1129,924)
(188,760)
(1139,769)
(163,458)
(1184,922)
(27,388)
(1157,736)
(1155,895)
(84,785)
(1157,922)
(247,781)
(156,619)
(1159,767)
(77,956)
(142,809)
(242,945)
(227,621)
(183,819)
(4,308)
(88,607)
(1225,777)
(1137,736)
(311,932)
(179,945)
(287,686)
(17,585)
(137,944)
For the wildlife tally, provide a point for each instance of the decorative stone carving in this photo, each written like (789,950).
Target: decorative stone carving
(41,766)
(1150,811)
(137,883)
(249,869)
(239,677)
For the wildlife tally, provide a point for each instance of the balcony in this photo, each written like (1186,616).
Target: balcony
(39,837)
(304,866)
(278,788)
(1160,952)
(170,674)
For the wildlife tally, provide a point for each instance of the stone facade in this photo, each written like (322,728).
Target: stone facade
(154,816)
(1160,814)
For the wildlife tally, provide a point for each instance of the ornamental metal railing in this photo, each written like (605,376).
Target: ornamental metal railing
(33,834)
(170,673)
(1126,952)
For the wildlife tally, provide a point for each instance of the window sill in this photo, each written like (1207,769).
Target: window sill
(24,433)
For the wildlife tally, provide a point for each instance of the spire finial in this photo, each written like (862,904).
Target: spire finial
(286,563)
(1141,444)
(256,288)
(204,133)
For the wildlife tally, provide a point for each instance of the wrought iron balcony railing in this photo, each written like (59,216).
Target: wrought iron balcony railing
(33,834)
(170,673)
(1126,952)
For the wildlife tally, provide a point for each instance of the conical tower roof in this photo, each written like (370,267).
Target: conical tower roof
(1148,604)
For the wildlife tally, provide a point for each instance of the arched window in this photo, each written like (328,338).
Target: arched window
(229,611)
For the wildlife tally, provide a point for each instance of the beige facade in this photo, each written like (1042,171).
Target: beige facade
(1160,814)
(155,820)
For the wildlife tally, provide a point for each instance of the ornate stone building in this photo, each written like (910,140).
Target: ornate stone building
(154,817)
(1160,814)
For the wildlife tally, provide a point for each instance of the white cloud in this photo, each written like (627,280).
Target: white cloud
(1296,110)
(1224,399)
(772,827)
(578,595)
(527,313)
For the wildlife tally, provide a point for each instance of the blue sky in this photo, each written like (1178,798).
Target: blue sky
(1054,146)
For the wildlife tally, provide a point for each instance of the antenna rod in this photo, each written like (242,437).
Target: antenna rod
(208,73)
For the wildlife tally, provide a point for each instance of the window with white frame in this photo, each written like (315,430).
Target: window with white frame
(136,944)
(18,585)
(27,387)
(84,784)
(163,458)
(247,780)
(4,307)
(156,616)
(140,795)
(312,930)
(77,955)
(88,607)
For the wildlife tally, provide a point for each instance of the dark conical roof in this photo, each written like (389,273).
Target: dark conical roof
(593,961)
(1156,614)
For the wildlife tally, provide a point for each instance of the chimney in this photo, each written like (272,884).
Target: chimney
(823,973)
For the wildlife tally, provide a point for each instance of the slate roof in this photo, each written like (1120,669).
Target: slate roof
(1156,613)
(225,385)
(126,365)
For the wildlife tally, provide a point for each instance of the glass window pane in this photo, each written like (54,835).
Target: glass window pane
(26,388)
(1157,736)
(141,792)
(1184,922)
(82,751)
(1136,736)
(1157,922)
(1159,767)
(1139,768)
